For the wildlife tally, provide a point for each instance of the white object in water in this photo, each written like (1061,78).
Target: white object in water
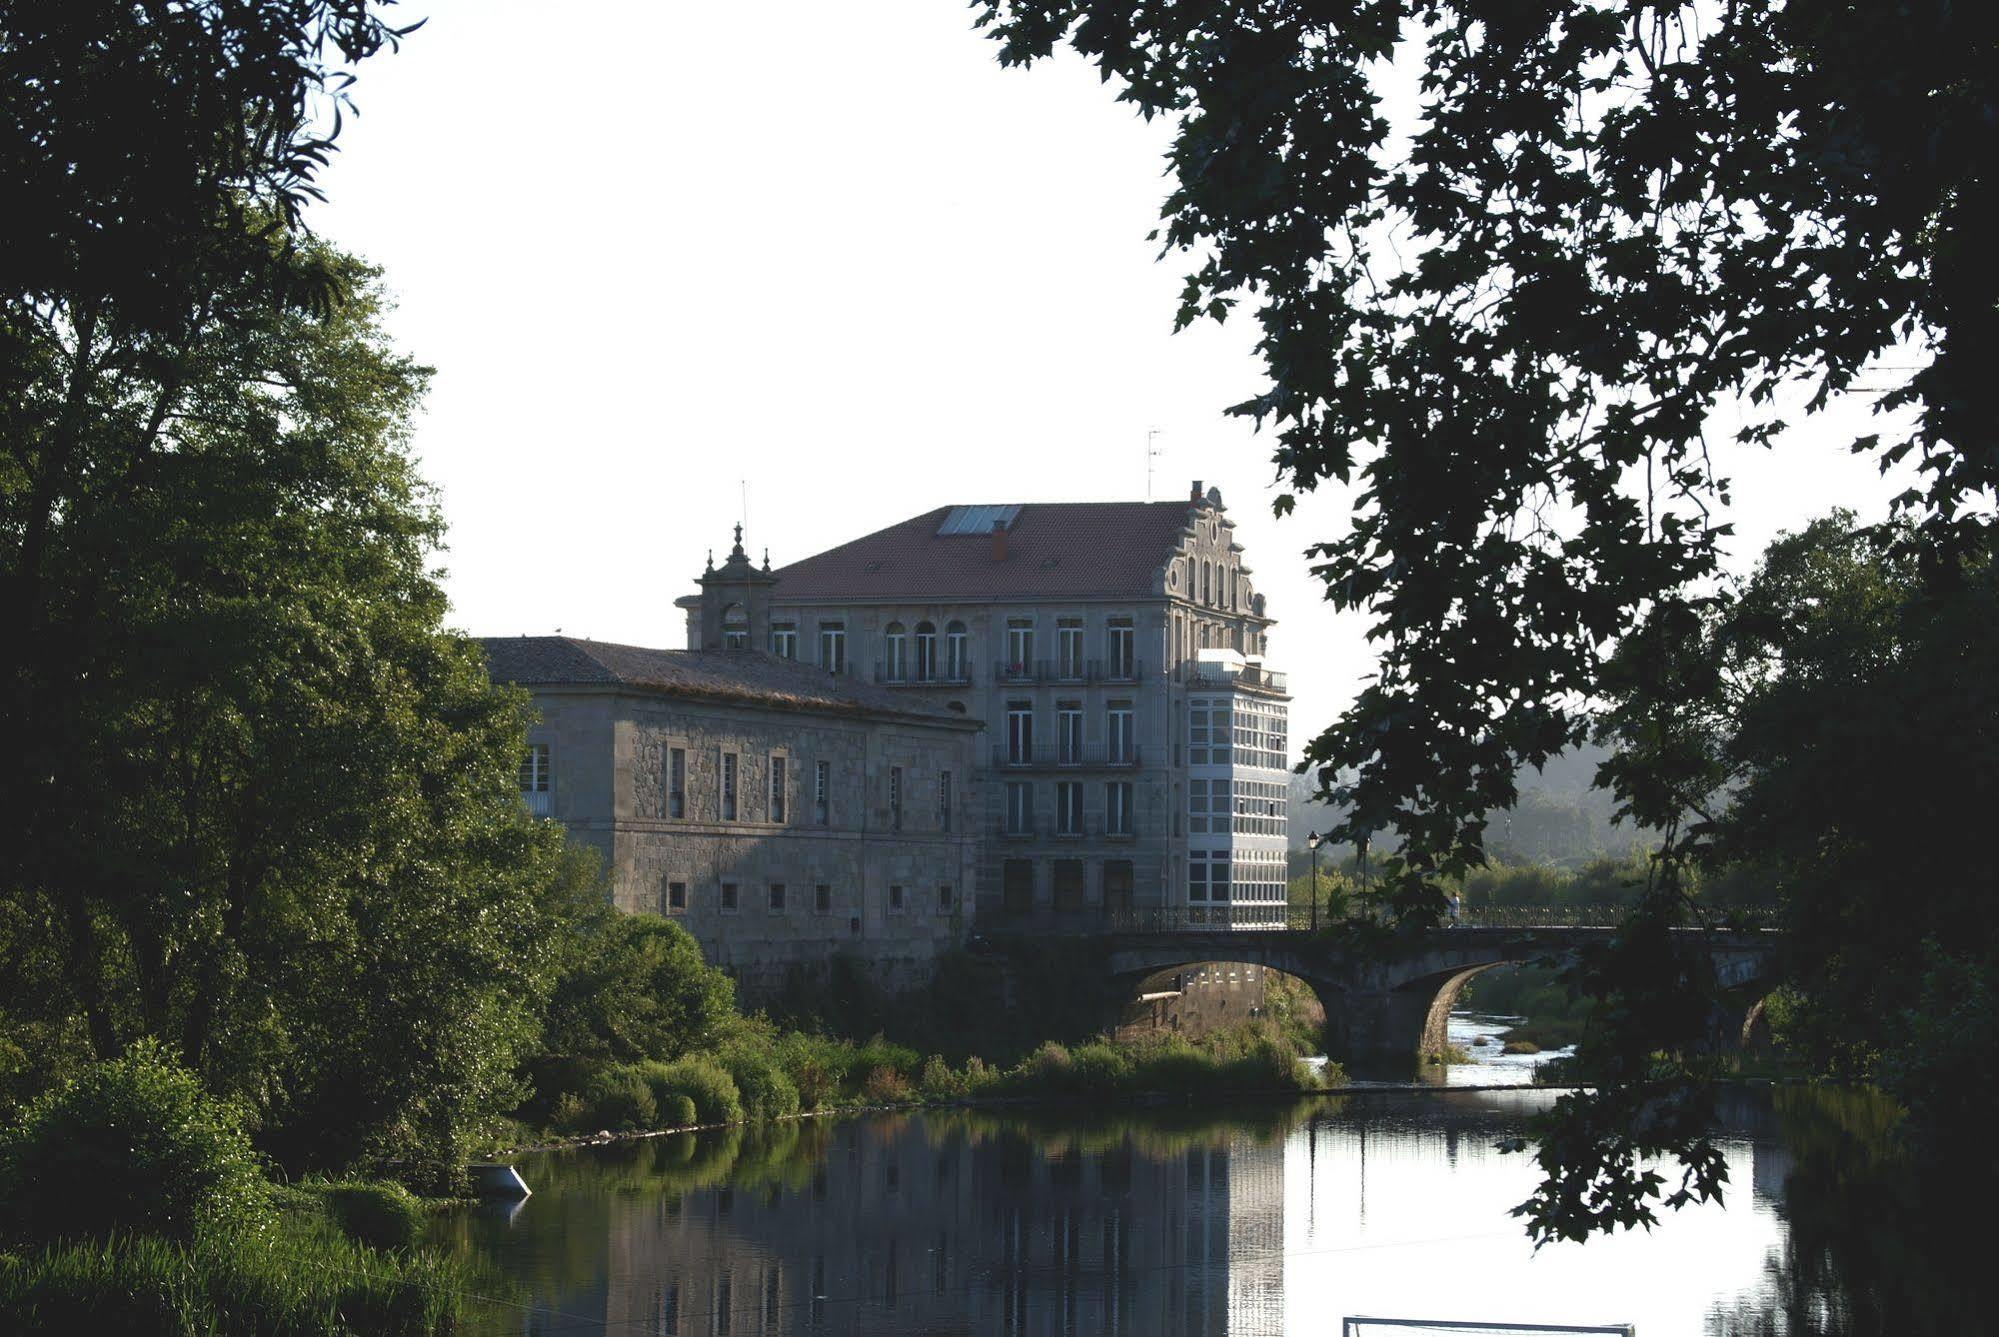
(499,1181)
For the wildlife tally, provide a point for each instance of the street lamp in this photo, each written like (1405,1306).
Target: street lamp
(1312,844)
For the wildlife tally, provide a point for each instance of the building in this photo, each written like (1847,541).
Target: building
(781,813)
(1135,761)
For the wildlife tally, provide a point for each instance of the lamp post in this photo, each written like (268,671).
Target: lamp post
(1312,843)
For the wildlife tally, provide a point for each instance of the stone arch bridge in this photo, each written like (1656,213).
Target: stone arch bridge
(1396,1003)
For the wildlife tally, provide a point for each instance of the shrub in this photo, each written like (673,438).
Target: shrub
(814,1084)
(676,1110)
(620,1099)
(704,1082)
(938,1082)
(885,1086)
(1100,1068)
(1520,1047)
(569,1114)
(131,1145)
(765,1091)
(379,1213)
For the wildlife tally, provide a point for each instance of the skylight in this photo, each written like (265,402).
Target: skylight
(976,519)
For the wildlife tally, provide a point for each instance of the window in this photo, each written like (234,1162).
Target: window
(1117,808)
(1019,647)
(957,653)
(1120,749)
(944,898)
(1069,808)
(1218,729)
(1122,644)
(676,782)
(1117,884)
(1207,582)
(895,798)
(895,645)
(1019,808)
(944,801)
(895,900)
(1019,732)
(780,783)
(534,769)
(728,898)
(821,783)
(776,897)
(1017,886)
(1197,807)
(676,895)
(729,763)
(926,651)
(735,628)
(1197,875)
(1069,732)
(822,899)
(784,640)
(1197,734)
(833,646)
(1069,647)
(1068,884)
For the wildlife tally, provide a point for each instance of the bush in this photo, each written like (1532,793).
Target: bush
(704,1082)
(132,1145)
(885,1086)
(569,1114)
(677,1111)
(765,1091)
(1520,1047)
(938,1082)
(380,1214)
(293,1281)
(619,1099)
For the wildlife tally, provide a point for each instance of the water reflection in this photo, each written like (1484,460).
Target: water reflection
(1259,1222)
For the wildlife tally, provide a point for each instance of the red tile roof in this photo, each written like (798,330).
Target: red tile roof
(1054,550)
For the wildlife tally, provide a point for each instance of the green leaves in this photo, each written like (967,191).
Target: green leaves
(1611,219)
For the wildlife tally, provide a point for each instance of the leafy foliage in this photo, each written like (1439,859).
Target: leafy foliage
(131,1145)
(632,986)
(1507,323)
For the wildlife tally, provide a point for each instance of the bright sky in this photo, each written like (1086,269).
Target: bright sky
(659,250)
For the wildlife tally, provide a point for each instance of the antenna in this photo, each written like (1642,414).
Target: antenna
(1151,454)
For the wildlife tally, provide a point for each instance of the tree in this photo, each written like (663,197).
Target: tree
(632,986)
(265,803)
(1510,332)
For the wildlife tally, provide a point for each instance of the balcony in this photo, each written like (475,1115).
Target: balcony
(888,676)
(1093,828)
(1068,671)
(537,802)
(1055,757)
(1229,675)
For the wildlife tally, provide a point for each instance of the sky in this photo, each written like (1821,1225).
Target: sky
(663,255)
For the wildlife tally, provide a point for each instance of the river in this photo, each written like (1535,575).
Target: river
(1174,1220)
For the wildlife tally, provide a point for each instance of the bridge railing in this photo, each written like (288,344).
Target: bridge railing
(1251,918)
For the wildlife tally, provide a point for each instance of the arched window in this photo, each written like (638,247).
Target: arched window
(957,653)
(926,651)
(735,628)
(896,640)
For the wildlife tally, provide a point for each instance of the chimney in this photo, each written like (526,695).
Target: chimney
(1195,495)
(999,540)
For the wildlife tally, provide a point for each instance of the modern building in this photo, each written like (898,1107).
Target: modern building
(780,812)
(1135,759)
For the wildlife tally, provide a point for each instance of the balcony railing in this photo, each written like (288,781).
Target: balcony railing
(1067,670)
(1057,757)
(537,802)
(907,676)
(1093,828)
(1228,675)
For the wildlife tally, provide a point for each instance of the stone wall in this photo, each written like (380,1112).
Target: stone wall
(1194,1000)
(896,892)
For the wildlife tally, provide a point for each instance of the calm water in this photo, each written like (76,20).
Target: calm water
(1264,1221)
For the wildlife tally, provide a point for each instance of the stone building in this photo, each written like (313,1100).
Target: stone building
(781,813)
(1135,758)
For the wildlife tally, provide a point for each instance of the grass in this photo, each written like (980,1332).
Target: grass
(294,1279)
